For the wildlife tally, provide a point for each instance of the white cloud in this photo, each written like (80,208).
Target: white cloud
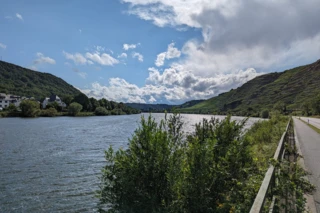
(173,85)
(152,99)
(126,47)
(160,59)
(77,58)
(3,46)
(123,55)
(89,58)
(80,31)
(138,56)
(237,34)
(171,53)
(41,59)
(103,59)
(19,16)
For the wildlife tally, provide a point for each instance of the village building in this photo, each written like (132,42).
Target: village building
(51,99)
(7,99)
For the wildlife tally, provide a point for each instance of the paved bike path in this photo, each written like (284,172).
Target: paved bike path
(310,147)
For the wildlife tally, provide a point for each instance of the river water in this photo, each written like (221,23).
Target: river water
(54,164)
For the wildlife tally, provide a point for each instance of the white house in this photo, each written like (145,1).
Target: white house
(53,98)
(7,99)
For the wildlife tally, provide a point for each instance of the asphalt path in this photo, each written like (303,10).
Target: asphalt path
(310,147)
(313,121)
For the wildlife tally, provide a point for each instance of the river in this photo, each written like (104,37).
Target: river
(54,164)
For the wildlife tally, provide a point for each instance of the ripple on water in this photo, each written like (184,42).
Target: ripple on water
(54,164)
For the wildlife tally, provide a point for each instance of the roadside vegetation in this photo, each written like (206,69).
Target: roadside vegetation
(218,168)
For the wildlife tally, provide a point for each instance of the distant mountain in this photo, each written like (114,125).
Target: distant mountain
(161,107)
(25,82)
(292,87)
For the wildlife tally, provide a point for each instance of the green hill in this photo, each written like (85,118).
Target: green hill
(161,107)
(292,87)
(25,82)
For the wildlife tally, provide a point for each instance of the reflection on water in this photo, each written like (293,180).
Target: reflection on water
(53,164)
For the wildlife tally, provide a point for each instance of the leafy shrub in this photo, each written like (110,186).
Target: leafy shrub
(51,112)
(74,108)
(163,171)
(101,111)
(30,108)
(265,114)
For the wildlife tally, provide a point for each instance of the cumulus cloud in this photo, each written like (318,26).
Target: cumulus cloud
(171,52)
(89,58)
(102,59)
(126,47)
(77,58)
(123,55)
(160,59)
(237,30)
(173,85)
(3,46)
(41,59)
(19,16)
(138,56)
(237,36)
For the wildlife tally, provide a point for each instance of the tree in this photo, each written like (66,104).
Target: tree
(67,99)
(30,108)
(12,108)
(163,171)
(94,103)
(54,105)
(280,106)
(101,111)
(74,108)
(316,105)
(306,107)
(84,101)
(265,114)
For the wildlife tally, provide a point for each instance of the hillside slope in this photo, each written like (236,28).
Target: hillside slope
(161,107)
(25,82)
(292,87)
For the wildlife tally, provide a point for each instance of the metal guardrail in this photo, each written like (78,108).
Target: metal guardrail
(269,179)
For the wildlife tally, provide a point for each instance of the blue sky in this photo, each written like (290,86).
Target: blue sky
(158,51)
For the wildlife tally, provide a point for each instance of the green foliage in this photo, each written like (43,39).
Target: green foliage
(54,105)
(25,82)
(11,108)
(264,137)
(84,101)
(306,107)
(30,108)
(265,114)
(49,112)
(74,108)
(101,111)
(211,170)
(293,87)
(67,99)
(316,105)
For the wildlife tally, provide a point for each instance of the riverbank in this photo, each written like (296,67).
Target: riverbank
(6,114)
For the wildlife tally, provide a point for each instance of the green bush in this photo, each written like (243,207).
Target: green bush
(74,108)
(265,114)
(211,170)
(30,108)
(101,111)
(51,112)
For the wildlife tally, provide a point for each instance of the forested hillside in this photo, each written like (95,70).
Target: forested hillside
(25,82)
(292,88)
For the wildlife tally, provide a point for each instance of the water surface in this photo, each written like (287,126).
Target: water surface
(54,164)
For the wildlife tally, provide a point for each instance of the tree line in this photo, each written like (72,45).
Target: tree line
(79,105)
